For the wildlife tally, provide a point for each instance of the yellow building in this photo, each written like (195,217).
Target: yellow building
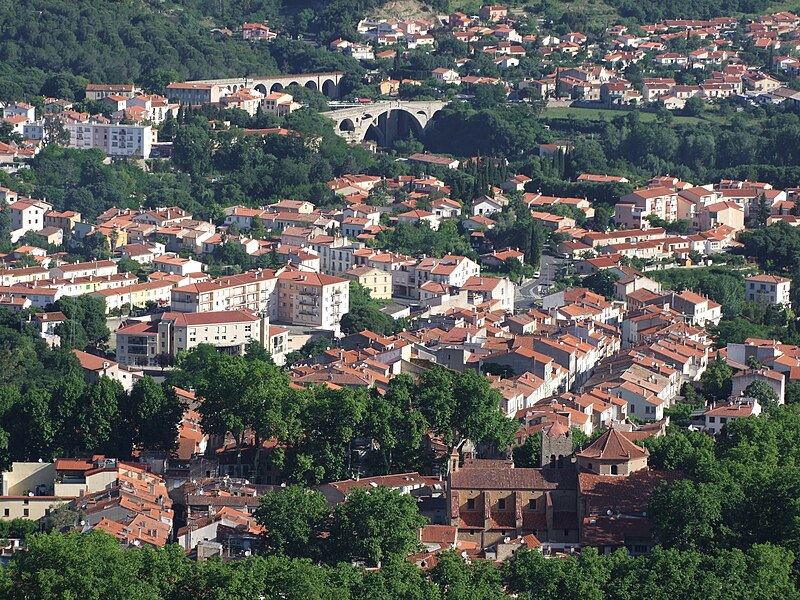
(379,283)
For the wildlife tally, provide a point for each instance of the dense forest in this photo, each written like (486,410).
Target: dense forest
(55,47)
(651,12)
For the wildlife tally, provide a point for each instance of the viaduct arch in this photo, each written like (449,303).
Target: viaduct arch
(384,122)
(327,83)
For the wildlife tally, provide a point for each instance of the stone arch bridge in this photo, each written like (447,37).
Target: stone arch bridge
(327,83)
(384,122)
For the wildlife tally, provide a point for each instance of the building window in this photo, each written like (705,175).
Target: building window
(26,512)
(532,504)
(471,504)
(6,512)
(501,504)
(566,532)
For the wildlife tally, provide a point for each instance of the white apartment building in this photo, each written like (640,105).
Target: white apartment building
(718,416)
(768,288)
(98,91)
(27,214)
(449,270)
(113,139)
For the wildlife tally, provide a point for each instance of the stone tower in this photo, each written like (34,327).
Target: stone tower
(556,446)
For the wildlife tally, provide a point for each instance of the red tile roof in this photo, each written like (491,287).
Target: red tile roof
(612,445)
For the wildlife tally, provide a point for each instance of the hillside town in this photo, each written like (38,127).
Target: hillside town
(464,296)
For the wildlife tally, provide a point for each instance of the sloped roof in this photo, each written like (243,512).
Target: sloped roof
(612,445)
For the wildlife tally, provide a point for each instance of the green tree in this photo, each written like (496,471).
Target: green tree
(763,392)
(602,282)
(294,518)
(99,414)
(375,525)
(244,394)
(86,322)
(529,454)
(152,414)
(364,313)
(462,406)
(461,581)
(331,420)
(717,380)
(686,515)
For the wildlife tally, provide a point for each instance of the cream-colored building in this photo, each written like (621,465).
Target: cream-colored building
(247,291)
(176,265)
(136,295)
(378,282)
(768,288)
(27,491)
(142,343)
(97,268)
(312,299)
(279,103)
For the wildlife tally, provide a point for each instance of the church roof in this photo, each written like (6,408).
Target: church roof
(612,445)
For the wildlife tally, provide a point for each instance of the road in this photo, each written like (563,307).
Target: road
(528,292)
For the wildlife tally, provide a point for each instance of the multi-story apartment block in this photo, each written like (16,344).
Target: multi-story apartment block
(247,291)
(142,343)
(194,93)
(377,281)
(336,254)
(98,91)
(97,268)
(27,214)
(449,270)
(768,288)
(113,139)
(65,220)
(633,208)
(312,299)
(136,295)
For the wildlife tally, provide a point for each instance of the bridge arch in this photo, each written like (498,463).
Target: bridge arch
(276,87)
(330,88)
(261,88)
(385,122)
(312,85)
